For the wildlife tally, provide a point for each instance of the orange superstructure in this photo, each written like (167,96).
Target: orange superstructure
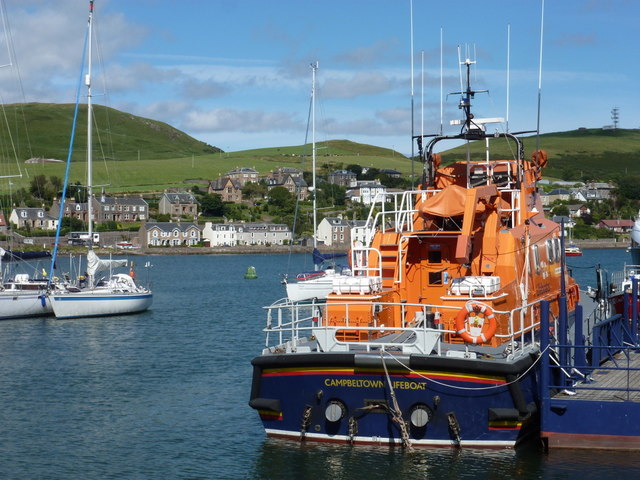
(473,233)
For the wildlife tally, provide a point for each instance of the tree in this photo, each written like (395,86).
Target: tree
(212,205)
(254,190)
(371,174)
(355,168)
(281,199)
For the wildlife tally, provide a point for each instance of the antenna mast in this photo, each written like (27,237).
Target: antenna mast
(411,56)
(540,77)
(508,73)
(314,67)
(614,117)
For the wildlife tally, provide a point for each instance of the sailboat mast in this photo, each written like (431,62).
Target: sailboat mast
(314,67)
(89,131)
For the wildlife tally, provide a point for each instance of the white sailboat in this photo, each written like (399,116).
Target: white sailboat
(22,294)
(319,283)
(115,294)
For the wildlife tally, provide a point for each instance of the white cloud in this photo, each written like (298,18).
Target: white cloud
(232,120)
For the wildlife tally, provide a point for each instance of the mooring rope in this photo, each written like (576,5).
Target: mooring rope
(396,413)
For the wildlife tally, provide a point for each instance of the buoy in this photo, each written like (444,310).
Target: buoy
(251,273)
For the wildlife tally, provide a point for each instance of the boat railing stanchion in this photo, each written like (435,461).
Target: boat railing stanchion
(634,309)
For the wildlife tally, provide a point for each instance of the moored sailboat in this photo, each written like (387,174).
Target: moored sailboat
(319,283)
(92,296)
(444,351)
(21,294)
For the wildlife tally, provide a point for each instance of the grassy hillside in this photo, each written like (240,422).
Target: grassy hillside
(594,153)
(44,130)
(135,154)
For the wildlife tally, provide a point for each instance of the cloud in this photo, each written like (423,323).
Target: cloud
(369,55)
(576,40)
(358,85)
(232,120)
(196,90)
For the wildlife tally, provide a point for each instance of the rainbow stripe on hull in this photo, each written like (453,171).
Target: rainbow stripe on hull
(328,397)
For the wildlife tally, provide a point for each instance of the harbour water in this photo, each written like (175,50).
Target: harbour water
(163,394)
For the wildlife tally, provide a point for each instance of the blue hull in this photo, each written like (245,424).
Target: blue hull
(347,398)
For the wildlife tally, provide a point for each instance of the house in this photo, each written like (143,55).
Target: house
(391,173)
(334,231)
(598,191)
(295,185)
(160,234)
(343,178)
(72,209)
(243,175)
(262,234)
(578,210)
(178,205)
(358,232)
(280,174)
(366,191)
(556,194)
(219,234)
(229,189)
(119,209)
(33,218)
(616,226)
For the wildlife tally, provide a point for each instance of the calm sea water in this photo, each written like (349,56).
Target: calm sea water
(163,394)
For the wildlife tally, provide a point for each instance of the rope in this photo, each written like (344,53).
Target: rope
(353,430)
(306,421)
(467,388)
(396,413)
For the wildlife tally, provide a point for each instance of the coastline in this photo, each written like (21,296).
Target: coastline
(605,243)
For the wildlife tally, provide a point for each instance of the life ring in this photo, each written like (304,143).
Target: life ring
(489,318)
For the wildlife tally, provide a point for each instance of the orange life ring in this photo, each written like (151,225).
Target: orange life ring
(489,319)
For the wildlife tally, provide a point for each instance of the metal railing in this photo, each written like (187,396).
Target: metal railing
(290,325)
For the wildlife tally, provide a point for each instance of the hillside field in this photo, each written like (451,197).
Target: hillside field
(137,155)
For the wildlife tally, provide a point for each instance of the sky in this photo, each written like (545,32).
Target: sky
(237,74)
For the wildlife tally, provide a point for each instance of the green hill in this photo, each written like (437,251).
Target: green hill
(135,154)
(585,153)
(43,130)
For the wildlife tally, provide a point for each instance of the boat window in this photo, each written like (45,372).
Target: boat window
(536,258)
(435,278)
(557,248)
(435,254)
(550,250)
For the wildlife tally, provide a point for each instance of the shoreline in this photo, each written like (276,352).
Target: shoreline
(273,249)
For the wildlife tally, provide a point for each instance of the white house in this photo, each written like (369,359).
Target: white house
(157,234)
(365,191)
(32,218)
(262,234)
(332,231)
(219,234)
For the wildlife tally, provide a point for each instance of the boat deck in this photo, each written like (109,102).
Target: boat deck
(616,381)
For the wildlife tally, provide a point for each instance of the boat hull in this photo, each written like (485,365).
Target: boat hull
(24,304)
(345,398)
(308,289)
(98,304)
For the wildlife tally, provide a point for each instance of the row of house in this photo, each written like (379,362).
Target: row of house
(590,192)
(332,231)
(230,185)
(105,209)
